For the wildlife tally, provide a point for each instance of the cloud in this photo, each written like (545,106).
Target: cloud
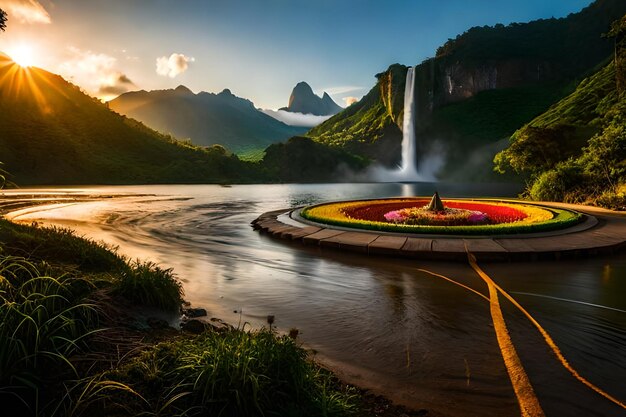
(25,11)
(350,100)
(97,73)
(173,65)
(117,85)
(296,119)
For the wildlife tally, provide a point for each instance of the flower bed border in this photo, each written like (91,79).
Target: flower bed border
(562,219)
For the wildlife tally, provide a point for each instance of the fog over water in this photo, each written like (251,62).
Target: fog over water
(380,321)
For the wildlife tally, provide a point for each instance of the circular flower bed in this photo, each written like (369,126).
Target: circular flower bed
(463,217)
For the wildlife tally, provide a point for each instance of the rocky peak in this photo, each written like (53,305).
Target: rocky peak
(304,100)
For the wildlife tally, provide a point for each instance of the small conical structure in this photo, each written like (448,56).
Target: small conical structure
(435,203)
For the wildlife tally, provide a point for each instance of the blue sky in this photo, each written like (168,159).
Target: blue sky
(258,49)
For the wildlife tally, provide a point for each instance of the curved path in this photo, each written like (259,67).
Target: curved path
(602,231)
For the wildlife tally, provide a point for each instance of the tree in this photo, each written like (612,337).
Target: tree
(618,33)
(3,20)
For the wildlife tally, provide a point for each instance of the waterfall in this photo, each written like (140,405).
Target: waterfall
(431,158)
(408,169)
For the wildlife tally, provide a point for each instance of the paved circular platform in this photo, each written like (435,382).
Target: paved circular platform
(601,232)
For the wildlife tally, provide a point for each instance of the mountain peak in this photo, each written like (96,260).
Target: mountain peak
(182,89)
(304,100)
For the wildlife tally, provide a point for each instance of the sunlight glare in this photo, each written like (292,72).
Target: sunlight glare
(23,55)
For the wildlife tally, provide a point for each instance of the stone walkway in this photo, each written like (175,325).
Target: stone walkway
(602,232)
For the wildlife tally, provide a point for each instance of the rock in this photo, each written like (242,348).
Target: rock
(193,326)
(194,312)
(156,323)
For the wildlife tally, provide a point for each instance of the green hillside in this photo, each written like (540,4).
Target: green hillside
(478,90)
(576,151)
(205,118)
(53,133)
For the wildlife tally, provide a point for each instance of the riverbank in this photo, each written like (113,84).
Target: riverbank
(88,333)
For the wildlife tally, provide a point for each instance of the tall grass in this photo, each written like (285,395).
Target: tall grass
(148,284)
(236,373)
(44,320)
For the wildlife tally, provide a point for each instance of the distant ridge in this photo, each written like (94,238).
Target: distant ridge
(205,118)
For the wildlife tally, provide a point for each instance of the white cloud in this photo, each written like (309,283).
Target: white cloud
(296,119)
(25,11)
(97,73)
(173,65)
(350,100)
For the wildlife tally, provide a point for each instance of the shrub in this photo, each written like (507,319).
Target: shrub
(150,285)
(563,183)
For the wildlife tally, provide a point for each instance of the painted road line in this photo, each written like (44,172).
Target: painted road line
(545,335)
(528,402)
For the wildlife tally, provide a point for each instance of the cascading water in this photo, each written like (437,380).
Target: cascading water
(408,169)
(430,159)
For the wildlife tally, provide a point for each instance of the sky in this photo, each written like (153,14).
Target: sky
(259,49)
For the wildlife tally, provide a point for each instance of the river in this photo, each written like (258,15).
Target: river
(386,324)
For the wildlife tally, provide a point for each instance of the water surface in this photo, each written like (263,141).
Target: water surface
(379,321)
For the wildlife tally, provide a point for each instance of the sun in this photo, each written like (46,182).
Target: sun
(23,55)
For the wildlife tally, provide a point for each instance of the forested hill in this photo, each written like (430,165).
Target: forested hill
(53,133)
(576,151)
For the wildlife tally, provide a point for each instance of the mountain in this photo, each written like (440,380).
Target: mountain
(303,100)
(477,91)
(576,150)
(205,118)
(52,133)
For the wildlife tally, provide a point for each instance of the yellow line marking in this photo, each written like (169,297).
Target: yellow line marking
(546,337)
(455,282)
(528,402)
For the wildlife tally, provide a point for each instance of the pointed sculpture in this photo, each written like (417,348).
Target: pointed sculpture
(435,203)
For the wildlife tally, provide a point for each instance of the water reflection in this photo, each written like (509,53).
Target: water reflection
(422,340)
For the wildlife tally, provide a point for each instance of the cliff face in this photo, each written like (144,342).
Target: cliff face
(480,87)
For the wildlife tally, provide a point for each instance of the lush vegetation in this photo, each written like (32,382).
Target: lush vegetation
(70,348)
(303,160)
(236,373)
(576,151)
(370,126)
(573,42)
(470,128)
(52,133)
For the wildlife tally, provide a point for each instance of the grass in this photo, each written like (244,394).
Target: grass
(63,354)
(237,373)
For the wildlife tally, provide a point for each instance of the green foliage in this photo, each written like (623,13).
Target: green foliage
(43,321)
(563,183)
(303,160)
(52,133)
(536,149)
(59,245)
(236,373)
(370,126)
(576,151)
(150,285)
(573,42)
